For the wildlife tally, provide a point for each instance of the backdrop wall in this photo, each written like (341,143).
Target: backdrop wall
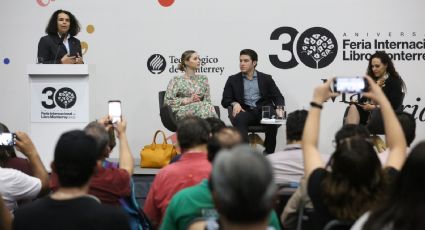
(121,38)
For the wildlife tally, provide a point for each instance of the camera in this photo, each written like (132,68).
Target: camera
(115,110)
(350,85)
(7,139)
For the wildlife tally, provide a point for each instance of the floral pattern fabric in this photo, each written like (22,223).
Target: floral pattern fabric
(180,88)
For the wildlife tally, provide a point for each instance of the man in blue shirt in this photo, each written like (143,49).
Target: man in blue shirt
(247,92)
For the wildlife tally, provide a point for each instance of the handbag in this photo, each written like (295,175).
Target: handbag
(157,155)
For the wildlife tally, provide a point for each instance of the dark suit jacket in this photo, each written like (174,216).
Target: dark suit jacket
(48,46)
(269,92)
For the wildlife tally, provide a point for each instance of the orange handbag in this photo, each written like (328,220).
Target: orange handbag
(157,155)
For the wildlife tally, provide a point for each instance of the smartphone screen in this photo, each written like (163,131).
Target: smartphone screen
(7,139)
(349,85)
(115,110)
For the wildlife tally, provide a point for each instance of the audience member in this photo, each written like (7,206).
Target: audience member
(404,207)
(70,207)
(196,201)
(289,217)
(108,184)
(192,136)
(288,165)
(215,124)
(9,159)
(241,204)
(355,181)
(15,185)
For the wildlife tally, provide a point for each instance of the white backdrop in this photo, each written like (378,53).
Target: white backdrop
(127,33)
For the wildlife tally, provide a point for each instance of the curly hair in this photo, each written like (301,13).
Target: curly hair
(52,26)
(386,60)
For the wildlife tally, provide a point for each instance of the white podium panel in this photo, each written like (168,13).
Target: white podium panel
(59,102)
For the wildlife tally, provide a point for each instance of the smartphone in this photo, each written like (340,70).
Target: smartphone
(115,110)
(350,85)
(7,139)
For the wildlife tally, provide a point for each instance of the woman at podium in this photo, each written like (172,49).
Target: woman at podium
(190,94)
(60,46)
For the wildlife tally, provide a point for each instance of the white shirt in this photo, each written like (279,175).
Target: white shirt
(288,165)
(16,185)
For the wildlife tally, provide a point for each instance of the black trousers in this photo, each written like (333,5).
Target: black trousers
(253,117)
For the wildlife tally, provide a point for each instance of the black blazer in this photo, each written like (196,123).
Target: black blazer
(269,92)
(48,46)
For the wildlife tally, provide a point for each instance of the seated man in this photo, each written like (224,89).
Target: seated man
(108,184)
(288,165)
(240,203)
(70,207)
(192,136)
(247,91)
(16,185)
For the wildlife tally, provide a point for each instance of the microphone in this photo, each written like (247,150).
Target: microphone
(62,37)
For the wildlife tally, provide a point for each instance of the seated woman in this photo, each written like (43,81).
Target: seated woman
(356,181)
(381,69)
(189,94)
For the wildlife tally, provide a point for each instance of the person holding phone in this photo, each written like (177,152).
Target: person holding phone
(60,46)
(382,71)
(189,94)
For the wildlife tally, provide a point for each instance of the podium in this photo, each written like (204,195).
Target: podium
(59,102)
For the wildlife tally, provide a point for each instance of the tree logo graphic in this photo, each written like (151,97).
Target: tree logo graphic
(156,64)
(317,47)
(65,98)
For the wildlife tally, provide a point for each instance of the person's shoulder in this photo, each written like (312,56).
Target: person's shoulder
(195,189)
(264,75)
(74,39)
(32,207)
(112,172)
(111,217)
(176,78)
(46,37)
(14,174)
(236,75)
(317,176)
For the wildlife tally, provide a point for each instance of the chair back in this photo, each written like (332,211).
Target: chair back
(161,96)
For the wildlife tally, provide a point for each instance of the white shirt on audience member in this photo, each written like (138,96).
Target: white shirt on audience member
(288,165)
(15,185)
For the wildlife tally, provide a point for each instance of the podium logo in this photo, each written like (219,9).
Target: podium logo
(65,98)
(316,47)
(156,64)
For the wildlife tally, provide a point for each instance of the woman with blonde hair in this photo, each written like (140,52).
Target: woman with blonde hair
(189,94)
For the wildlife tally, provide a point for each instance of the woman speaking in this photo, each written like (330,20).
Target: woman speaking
(60,46)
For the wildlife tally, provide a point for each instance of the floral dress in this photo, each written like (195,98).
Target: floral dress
(180,88)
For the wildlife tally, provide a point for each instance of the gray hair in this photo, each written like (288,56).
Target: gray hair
(101,136)
(243,185)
